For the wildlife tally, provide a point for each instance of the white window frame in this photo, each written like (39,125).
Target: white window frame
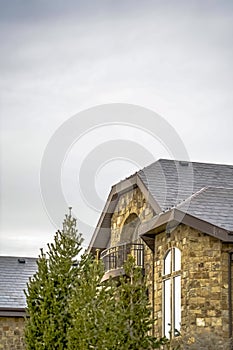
(171,292)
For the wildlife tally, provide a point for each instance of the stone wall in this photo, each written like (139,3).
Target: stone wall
(132,202)
(204,269)
(204,266)
(12,333)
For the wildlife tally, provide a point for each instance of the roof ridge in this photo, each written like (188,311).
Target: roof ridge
(193,162)
(175,161)
(220,187)
(195,194)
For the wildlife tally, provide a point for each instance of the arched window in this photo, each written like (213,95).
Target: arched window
(129,232)
(172,292)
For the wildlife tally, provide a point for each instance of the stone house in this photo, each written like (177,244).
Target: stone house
(14,275)
(176,219)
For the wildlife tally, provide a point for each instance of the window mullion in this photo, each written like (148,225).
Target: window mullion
(172,307)
(172,292)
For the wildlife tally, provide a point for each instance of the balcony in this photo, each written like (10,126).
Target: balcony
(115,257)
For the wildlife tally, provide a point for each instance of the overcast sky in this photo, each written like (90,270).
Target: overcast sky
(59,58)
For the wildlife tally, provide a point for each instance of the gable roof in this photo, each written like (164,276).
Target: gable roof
(208,210)
(166,184)
(213,205)
(14,275)
(172,181)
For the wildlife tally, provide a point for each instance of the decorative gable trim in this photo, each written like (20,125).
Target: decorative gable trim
(101,237)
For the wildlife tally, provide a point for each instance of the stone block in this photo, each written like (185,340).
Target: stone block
(200,322)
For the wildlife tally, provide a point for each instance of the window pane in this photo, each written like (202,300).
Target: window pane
(177,302)
(167,308)
(177,260)
(167,263)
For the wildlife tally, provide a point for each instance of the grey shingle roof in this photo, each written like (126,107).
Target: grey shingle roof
(13,279)
(213,205)
(172,181)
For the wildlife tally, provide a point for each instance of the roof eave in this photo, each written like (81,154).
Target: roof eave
(174,217)
(12,312)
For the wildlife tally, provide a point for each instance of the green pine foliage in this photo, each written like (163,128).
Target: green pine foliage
(70,308)
(38,305)
(114,315)
(134,311)
(92,308)
(49,291)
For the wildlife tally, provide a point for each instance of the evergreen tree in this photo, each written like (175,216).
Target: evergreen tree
(49,291)
(134,311)
(70,308)
(38,305)
(92,308)
(110,315)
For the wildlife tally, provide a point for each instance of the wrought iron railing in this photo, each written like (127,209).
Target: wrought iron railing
(115,257)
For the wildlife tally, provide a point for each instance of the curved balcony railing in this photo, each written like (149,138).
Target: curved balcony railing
(115,257)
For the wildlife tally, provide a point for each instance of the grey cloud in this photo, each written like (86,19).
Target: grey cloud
(58,57)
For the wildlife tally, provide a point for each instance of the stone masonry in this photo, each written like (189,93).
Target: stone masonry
(132,202)
(204,269)
(12,333)
(204,284)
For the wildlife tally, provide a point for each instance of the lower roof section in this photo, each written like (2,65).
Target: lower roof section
(6,312)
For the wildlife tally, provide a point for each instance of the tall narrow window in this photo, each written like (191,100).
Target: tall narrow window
(171,292)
